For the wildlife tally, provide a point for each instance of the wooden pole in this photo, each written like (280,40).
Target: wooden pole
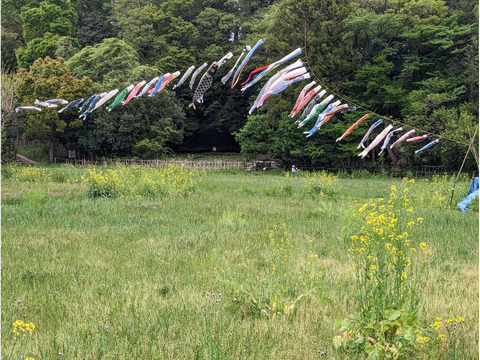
(449,202)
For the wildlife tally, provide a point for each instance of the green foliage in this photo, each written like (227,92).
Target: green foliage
(51,45)
(10,42)
(139,27)
(108,64)
(54,16)
(120,132)
(254,136)
(93,25)
(48,79)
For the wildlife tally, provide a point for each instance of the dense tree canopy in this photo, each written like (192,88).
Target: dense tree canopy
(414,61)
(50,79)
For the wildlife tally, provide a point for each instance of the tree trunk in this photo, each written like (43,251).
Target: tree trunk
(392,156)
(51,151)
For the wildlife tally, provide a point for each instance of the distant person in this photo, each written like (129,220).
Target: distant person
(294,169)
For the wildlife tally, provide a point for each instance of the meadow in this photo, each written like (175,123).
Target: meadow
(146,263)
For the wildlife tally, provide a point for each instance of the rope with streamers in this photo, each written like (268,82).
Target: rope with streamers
(389,118)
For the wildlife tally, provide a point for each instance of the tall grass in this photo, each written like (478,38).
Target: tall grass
(234,267)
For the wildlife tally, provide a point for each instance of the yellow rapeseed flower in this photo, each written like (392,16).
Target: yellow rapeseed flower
(436,325)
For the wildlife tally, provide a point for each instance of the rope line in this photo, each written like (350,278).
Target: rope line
(370,111)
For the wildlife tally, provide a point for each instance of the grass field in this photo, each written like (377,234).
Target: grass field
(228,266)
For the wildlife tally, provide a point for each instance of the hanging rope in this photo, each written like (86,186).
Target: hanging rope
(370,111)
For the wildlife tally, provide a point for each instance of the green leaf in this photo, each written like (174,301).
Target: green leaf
(391,314)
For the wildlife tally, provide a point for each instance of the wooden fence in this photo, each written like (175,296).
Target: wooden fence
(194,164)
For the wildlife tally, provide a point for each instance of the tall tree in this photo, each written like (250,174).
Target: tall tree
(46,79)
(54,16)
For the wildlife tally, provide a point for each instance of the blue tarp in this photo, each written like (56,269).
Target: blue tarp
(472,194)
(473,186)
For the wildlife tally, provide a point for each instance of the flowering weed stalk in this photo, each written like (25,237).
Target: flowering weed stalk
(278,284)
(388,261)
(319,183)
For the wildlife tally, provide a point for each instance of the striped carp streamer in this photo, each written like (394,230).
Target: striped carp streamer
(244,62)
(402,138)
(120,97)
(376,141)
(350,129)
(230,72)
(272,66)
(301,96)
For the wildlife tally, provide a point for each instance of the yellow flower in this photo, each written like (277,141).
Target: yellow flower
(436,325)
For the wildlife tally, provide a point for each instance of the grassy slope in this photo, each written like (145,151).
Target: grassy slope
(127,278)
